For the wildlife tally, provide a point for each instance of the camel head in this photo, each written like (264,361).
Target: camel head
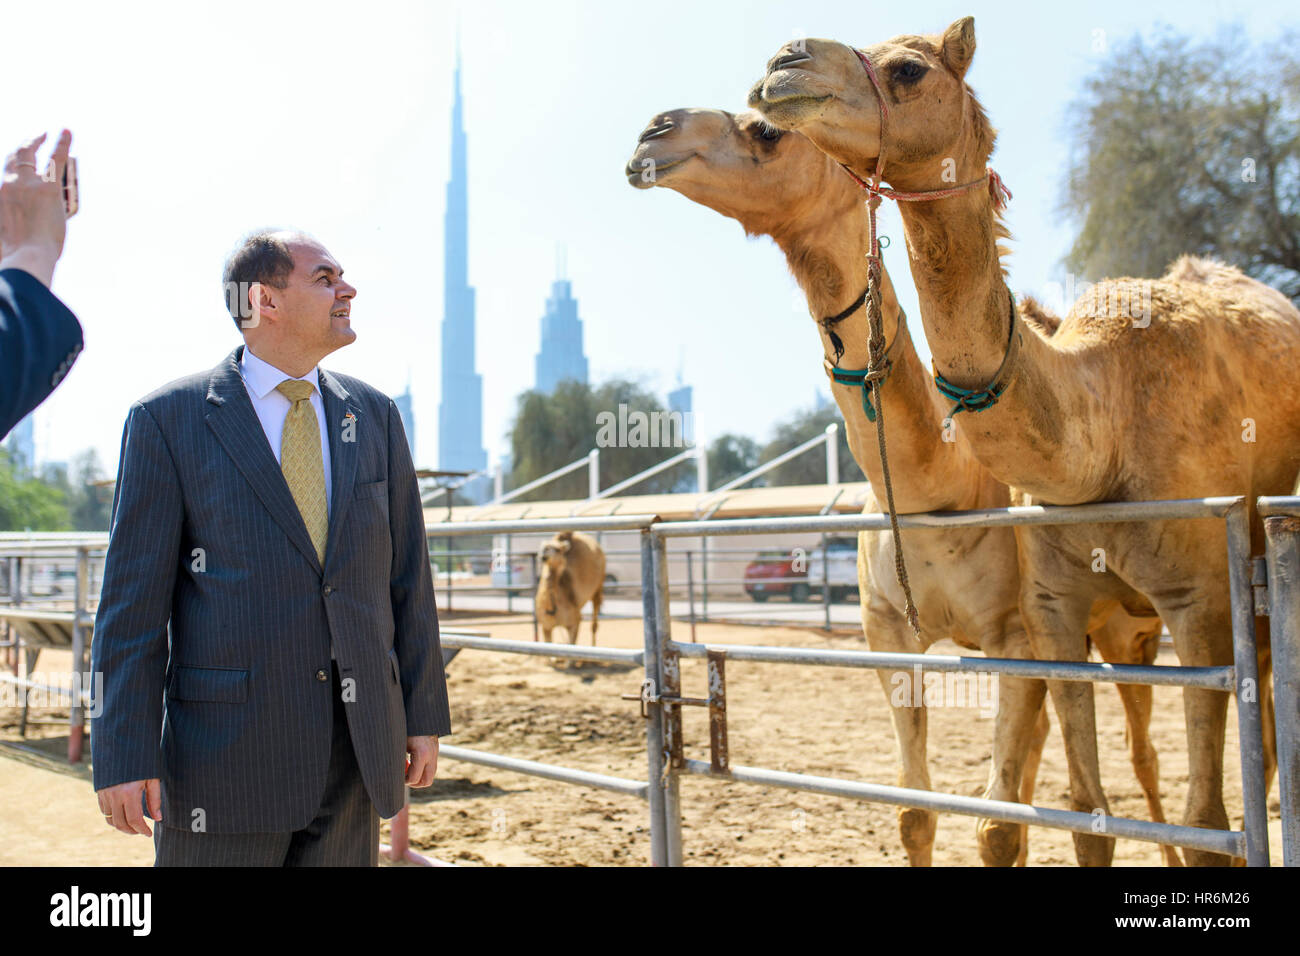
(739,165)
(822,89)
(554,554)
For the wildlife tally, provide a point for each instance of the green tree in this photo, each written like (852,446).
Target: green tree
(552,430)
(30,504)
(730,456)
(89,504)
(810,467)
(1183,146)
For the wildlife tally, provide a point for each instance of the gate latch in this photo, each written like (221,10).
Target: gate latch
(647,695)
(1259,585)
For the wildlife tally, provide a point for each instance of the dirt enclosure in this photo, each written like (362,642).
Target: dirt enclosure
(818,720)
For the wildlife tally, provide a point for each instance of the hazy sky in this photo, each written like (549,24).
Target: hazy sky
(196,122)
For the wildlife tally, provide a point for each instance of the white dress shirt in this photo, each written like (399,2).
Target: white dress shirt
(272,407)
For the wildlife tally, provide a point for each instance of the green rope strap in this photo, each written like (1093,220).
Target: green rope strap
(978,399)
(862,377)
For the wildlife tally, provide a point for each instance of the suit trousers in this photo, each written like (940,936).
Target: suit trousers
(345,831)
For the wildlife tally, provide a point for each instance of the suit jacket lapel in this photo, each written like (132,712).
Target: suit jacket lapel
(234,421)
(344,424)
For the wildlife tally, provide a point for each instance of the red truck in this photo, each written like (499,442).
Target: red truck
(772,573)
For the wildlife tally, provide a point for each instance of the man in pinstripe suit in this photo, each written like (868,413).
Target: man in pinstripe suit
(266,633)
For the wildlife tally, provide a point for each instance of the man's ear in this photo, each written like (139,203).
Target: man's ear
(958,46)
(260,303)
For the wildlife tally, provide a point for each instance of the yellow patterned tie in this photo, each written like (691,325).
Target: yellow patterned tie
(300,460)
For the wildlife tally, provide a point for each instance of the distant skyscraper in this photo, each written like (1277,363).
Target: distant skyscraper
(679,400)
(460,413)
(407,411)
(561,354)
(22,445)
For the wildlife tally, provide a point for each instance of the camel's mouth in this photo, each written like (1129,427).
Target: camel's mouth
(786,96)
(644,169)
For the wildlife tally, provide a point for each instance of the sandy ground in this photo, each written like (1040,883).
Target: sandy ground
(826,721)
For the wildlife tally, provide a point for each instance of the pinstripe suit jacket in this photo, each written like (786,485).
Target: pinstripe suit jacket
(236,720)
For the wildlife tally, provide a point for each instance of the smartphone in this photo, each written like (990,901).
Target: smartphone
(71,195)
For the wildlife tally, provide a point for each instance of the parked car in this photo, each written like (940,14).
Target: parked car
(842,564)
(774,572)
(519,575)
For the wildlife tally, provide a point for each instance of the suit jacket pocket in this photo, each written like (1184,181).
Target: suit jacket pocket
(222,685)
(392,660)
(372,489)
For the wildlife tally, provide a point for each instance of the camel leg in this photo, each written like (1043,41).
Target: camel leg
(595,612)
(1202,636)
(1268,720)
(1146,762)
(1125,640)
(1020,703)
(1029,776)
(886,630)
(571,623)
(1057,621)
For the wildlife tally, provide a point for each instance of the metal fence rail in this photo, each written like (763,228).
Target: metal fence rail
(660,656)
(1250,843)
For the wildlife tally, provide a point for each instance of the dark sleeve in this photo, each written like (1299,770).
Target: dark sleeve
(415,612)
(40,338)
(129,650)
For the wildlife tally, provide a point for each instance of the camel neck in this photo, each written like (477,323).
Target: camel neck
(932,469)
(965,310)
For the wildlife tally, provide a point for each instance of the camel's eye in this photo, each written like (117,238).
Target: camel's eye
(909,71)
(769,133)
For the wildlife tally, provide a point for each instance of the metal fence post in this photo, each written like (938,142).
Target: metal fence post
(533,565)
(704,578)
(654,729)
(667,685)
(690,592)
(510,580)
(1250,731)
(77,714)
(826,582)
(1283,541)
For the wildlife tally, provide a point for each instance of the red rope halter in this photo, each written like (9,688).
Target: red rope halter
(875,191)
(877,366)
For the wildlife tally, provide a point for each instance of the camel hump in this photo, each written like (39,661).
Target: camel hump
(1231,281)
(1188,268)
(1033,312)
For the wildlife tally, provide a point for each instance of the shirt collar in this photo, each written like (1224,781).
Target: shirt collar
(262,377)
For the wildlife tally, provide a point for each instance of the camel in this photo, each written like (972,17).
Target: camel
(1196,396)
(573,573)
(966,580)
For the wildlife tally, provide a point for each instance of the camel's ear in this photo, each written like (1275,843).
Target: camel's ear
(958,46)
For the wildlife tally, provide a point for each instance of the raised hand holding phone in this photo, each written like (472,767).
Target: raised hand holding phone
(34,210)
(71,194)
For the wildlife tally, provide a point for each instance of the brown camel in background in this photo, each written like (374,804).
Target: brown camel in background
(573,573)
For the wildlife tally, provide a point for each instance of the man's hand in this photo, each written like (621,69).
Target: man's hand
(424,761)
(121,805)
(32,223)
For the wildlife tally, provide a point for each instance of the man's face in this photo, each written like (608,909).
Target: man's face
(316,303)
